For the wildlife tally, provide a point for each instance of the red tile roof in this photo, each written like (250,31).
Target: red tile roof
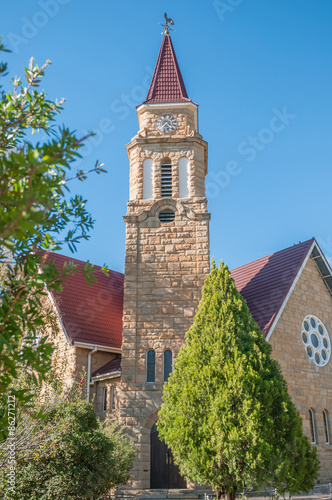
(90,314)
(265,283)
(93,315)
(167,83)
(110,367)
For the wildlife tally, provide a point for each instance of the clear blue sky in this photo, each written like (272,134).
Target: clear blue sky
(245,62)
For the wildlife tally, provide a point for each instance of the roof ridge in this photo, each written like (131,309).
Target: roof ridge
(266,283)
(291,284)
(178,73)
(274,253)
(79,260)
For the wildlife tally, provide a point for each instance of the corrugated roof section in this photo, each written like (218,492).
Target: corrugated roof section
(110,367)
(265,283)
(167,84)
(90,314)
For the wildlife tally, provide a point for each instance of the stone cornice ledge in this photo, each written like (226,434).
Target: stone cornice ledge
(171,204)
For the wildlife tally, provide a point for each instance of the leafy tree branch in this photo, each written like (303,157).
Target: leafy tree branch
(38,215)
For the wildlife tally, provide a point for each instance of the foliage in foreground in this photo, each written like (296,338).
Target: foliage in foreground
(37,213)
(67,454)
(29,430)
(227,415)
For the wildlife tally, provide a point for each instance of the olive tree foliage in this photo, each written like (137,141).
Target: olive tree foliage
(37,214)
(29,427)
(31,431)
(226,413)
(61,448)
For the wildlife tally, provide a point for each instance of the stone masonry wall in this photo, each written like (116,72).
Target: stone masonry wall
(309,385)
(64,355)
(197,168)
(97,396)
(186,116)
(166,265)
(98,359)
(165,268)
(71,362)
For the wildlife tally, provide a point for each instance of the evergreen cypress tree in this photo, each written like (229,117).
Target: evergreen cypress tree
(226,413)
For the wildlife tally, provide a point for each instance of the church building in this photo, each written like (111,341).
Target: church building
(126,330)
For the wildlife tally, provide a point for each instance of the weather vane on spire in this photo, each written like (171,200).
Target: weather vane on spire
(166,26)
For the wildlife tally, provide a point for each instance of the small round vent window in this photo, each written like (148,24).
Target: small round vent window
(316,340)
(166,216)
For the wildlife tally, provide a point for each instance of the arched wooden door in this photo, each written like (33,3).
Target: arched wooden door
(164,473)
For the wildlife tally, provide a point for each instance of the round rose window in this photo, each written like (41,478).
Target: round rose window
(316,340)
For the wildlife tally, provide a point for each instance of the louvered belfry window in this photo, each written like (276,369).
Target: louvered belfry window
(166,216)
(166,179)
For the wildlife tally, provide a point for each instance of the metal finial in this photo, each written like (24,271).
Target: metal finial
(169,22)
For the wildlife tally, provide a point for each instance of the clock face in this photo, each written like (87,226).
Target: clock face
(166,123)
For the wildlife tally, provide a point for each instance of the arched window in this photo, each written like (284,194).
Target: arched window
(184,188)
(312,425)
(151,366)
(148,179)
(326,426)
(166,179)
(168,361)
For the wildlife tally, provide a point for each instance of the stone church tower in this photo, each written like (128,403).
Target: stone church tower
(166,260)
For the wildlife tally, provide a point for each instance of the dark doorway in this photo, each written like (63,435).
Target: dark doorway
(164,473)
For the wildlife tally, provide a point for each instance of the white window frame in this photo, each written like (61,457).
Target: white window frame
(148,179)
(312,423)
(322,338)
(184,177)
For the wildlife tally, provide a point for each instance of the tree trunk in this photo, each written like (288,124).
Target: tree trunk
(228,495)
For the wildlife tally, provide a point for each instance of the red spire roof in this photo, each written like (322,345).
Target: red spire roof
(167,83)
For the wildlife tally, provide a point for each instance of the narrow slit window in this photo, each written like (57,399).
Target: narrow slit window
(166,180)
(105,399)
(112,398)
(312,425)
(151,366)
(326,426)
(168,361)
(184,178)
(148,179)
